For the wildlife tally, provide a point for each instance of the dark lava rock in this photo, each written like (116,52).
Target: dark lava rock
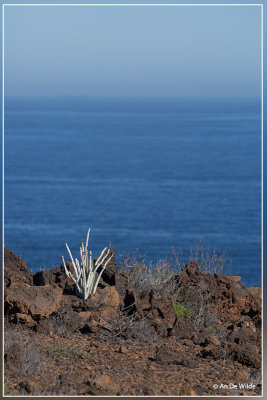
(25,386)
(162,307)
(121,283)
(22,319)
(114,277)
(164,356)
(227,298)
(200,390)
(13,355)
(37,302)
(56,276)
(159,313)
(190,273)
(212,351)
(131,301)
(63,324)
(45,326)
(183,329)
(246,354)
(244,331)
(162,312)
(16,270)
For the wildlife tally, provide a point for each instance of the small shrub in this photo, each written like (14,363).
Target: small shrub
(127,327)
(144,276)
(209,261)
(163,278)
(181,311)
(7,390)
(64,351)
(31,358)
(212,329)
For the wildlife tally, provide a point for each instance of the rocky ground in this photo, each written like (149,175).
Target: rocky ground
(125,342)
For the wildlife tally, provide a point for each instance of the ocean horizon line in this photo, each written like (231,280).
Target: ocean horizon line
(185,97)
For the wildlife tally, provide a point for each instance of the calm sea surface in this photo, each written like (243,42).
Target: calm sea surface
(150,174)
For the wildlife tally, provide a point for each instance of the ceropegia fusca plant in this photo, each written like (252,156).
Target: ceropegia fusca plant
(87,275)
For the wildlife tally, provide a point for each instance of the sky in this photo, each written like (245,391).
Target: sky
(132,51)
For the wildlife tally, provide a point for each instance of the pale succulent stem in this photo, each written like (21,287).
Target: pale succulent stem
(99,276)
(87,239)
(99,258)
(102,261)
(73,263)
(69,274)
(86,272)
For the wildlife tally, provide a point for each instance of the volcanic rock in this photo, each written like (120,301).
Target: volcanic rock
(164,356)
(120,341)
(109,272)
(13,355)
(16,270)
(183,329)
(38,302)
(56,276)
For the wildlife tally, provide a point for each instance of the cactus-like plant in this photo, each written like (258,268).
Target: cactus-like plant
(86,279)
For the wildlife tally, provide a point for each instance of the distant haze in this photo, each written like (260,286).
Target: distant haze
(132,51)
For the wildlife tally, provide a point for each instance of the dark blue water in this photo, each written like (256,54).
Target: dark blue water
(142,173)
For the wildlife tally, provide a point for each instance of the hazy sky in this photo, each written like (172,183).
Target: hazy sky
(133,51)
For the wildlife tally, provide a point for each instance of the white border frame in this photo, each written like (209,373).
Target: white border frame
(3,97)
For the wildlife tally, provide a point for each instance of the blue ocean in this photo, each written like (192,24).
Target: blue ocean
(143,173)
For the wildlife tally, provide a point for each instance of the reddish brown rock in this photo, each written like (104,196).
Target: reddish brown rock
(24,319)
(228,299)
(38,302)
(13,355)
(183,329)
(16,270)
(111,269)
(245,353)
(164,356)
(157,311)
(106,383)
(214,340)
(235,278)
(107,297)
(56,276)
(212,351)
(64,324)
(121,284)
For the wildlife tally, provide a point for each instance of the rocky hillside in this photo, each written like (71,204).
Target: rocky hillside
(206,340)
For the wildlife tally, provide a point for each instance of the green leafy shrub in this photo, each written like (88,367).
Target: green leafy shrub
(7,390)
(212,329)
(181,311)
(64,351)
